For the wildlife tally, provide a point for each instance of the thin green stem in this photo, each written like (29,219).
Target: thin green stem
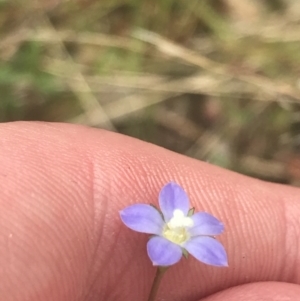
(156,282)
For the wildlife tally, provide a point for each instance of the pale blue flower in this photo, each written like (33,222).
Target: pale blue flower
(176,229)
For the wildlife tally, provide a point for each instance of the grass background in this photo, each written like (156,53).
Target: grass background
(217,80)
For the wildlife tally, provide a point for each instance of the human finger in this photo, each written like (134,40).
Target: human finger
(259,291)
(63,185)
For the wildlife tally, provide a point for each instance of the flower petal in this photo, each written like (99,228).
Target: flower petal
(142,218)
(207,250)
(205,224)
(172,197)
(163,252)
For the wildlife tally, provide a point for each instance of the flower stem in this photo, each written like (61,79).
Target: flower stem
(156,282)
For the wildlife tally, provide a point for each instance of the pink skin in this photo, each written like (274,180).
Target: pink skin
(61,238)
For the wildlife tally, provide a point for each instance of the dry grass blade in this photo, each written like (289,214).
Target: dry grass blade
(93,111)
(84,38)
(167,47)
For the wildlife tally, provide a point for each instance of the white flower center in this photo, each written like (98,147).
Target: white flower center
(176,229)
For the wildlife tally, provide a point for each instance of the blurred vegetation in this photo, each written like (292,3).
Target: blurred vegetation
(217,80)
